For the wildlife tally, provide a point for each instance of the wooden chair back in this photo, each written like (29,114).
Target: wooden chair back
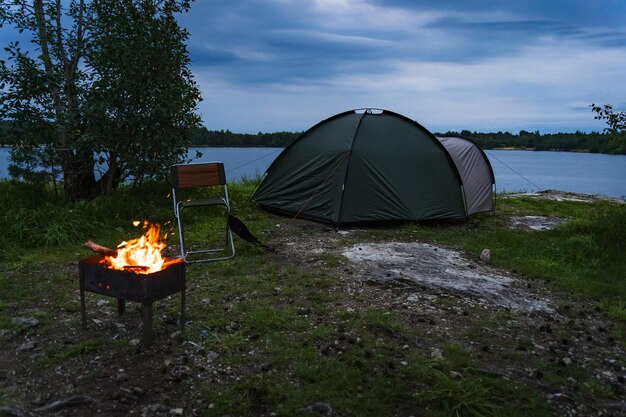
(198,175)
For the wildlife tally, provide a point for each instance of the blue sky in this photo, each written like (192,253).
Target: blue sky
(484,65)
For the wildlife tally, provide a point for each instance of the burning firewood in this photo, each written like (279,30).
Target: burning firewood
(99,249)
(141,255)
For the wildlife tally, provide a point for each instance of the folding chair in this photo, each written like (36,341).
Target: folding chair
(202,175)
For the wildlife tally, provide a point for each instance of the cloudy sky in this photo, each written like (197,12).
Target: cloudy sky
(481,65)
(485,65)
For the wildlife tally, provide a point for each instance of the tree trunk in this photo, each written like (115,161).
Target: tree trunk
(79,181)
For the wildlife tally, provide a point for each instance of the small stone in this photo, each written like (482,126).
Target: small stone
(212,356)
(134,342)
(609,375)
(436,354)
(25,322)
(6,333)
(485,255)
(26,346)
(321,408)
(566,361)
(455,375)
(121,377)
(176,412)
(39,400)
(156,408)
(11,412)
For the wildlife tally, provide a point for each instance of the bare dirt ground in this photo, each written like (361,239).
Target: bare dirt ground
(513,326)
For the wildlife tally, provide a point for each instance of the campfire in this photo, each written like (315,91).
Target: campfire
(135,271)
(142,255)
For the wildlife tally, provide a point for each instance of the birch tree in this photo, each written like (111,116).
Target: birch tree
(101,82)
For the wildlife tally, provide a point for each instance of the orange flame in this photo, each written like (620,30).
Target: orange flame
(142,255)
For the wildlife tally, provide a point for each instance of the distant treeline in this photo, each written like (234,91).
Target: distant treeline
(594,142)
(577,142)
(226,138)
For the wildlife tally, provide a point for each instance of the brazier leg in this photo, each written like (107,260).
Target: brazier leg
(83,309)
(182,306)
(121,306)
(147,324)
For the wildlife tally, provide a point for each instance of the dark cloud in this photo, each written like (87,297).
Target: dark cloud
(579,12)
(270,41)
(518,58)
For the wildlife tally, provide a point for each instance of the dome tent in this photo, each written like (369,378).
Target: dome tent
(365,166)
(475,171)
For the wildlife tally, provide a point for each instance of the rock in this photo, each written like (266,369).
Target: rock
(566,361)
(178,373)
(176,412)
(72,401)
(608,375)
(134,342)
(39,400)
(456,375)
(26,346)
(441,269)
(121,377)
(6,333)
(320,408)
(11,412)
(436,354)
(212,356)
(156,408)
(485,255)
(413,298)
(25,322)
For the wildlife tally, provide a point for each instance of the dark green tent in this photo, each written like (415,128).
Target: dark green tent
(365,166)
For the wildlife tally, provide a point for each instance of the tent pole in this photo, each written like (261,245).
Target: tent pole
(345,178)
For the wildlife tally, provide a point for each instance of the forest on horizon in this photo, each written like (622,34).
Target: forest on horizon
(594,142)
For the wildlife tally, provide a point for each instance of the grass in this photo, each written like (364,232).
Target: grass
(281,328)
(577,256)
(466,396)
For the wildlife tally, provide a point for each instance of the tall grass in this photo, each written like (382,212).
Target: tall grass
(32,216)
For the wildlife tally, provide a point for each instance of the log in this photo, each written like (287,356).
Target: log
(99,249)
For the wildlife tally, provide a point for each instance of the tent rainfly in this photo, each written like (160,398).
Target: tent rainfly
(372,166)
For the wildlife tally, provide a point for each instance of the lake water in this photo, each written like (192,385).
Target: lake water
(515,171)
